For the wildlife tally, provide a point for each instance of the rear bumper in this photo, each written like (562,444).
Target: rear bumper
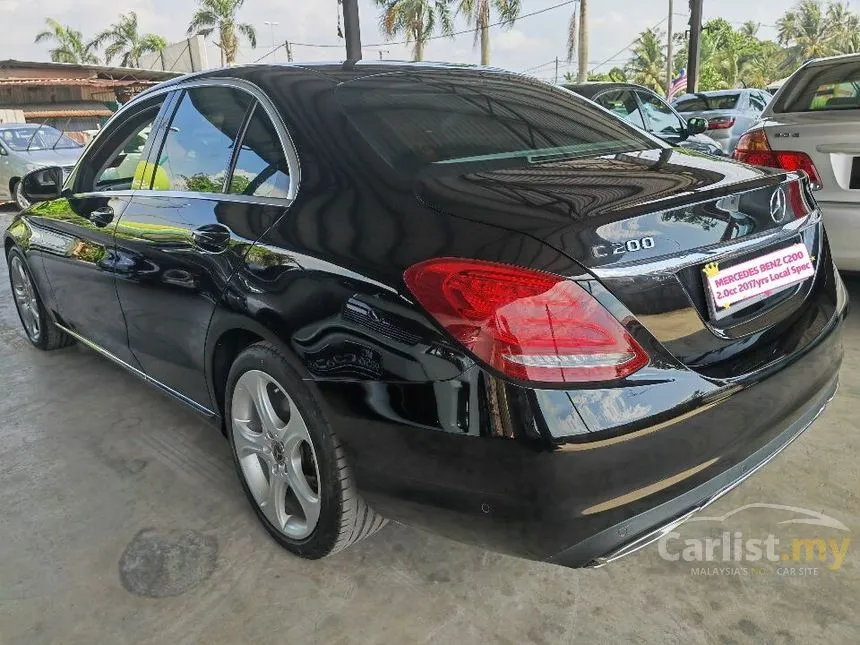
(628,537)
(842,223)
(534,474)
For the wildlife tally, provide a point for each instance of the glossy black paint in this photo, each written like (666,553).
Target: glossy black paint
(435,439)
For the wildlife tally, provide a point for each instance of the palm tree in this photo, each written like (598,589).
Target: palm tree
(648,65)
(416,19)
(577,38)
(221,14)
(125,41)
(845,26)
(477,13)
(807,31)
(70,45)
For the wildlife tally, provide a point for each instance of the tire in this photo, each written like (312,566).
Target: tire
(38,325)
(18,194)
(291,444)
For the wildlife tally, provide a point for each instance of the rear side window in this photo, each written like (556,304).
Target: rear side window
(622,104)
(198,147)
(261,167)
(412,120)
(703,102)
(757,103)
(822,88)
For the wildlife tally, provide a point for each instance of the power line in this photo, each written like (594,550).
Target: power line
(440,36)
(621,51)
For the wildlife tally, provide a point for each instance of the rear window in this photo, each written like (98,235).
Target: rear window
(703,102)
(822,88)
(416,119)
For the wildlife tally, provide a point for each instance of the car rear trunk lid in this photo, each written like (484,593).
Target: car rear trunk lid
(648,224)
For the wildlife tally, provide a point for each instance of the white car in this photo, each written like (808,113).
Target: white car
(813,124)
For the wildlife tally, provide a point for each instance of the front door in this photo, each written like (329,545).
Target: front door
(187,233)
(75,233)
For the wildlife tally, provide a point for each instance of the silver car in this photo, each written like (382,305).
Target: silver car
(813,124)
(730,113)
(27,146)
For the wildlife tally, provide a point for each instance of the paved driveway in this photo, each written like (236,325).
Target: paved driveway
(122,522)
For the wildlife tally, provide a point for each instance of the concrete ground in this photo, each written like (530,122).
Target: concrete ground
(122,521)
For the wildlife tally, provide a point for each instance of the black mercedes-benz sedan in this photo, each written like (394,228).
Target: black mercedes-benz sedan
(453,297)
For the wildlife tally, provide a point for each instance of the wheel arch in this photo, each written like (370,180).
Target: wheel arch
(229,334)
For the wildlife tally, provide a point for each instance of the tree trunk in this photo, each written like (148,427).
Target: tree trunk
(583,41)
(484,22)
(419,49)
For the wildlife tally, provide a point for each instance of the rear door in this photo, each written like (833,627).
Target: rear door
(220,178)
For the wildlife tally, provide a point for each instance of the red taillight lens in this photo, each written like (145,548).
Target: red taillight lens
(528,325)
(753,148)
(721,123)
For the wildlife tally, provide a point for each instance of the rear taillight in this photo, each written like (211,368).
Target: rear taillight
(529,325)
(721,123)
(754,148)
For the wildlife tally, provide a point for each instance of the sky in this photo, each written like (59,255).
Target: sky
(531,45)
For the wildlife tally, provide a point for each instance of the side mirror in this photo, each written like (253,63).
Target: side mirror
(43,184)
(696,125)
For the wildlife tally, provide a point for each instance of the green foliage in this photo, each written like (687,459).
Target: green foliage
(615,75)
(69,45)
(124,41)
(736,57)
(221,15)
(416,20)
(648,65)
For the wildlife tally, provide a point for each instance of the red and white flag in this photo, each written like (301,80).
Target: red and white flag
(679,86)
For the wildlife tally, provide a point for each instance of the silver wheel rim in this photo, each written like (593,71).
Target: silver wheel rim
(25,298)
(22,201)
(276,455)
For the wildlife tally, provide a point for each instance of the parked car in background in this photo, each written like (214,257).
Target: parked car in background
(813,124)
(454,297)
(645,109)
(730,113)
(27,146)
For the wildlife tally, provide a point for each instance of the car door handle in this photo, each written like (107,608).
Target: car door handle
(101,217)
(212,238)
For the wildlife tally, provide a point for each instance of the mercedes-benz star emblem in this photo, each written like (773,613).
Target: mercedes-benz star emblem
(777,205)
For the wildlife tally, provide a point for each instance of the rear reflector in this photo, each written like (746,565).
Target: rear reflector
(754,148)
(721,123)
(529,325)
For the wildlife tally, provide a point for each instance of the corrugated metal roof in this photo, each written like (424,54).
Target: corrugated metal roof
(102,70)
(75,82)
(84,108)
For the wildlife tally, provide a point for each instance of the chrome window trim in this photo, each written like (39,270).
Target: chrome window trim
(262,99)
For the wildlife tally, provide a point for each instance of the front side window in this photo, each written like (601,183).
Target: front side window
(623,104)
(261,166)
(198,147)
(115,160)
(822,88)
(661,119)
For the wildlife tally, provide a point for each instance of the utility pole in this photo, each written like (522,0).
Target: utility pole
(351,30)
(556,70)
(669,61)
(695,45)
(274,51)
(289,51)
